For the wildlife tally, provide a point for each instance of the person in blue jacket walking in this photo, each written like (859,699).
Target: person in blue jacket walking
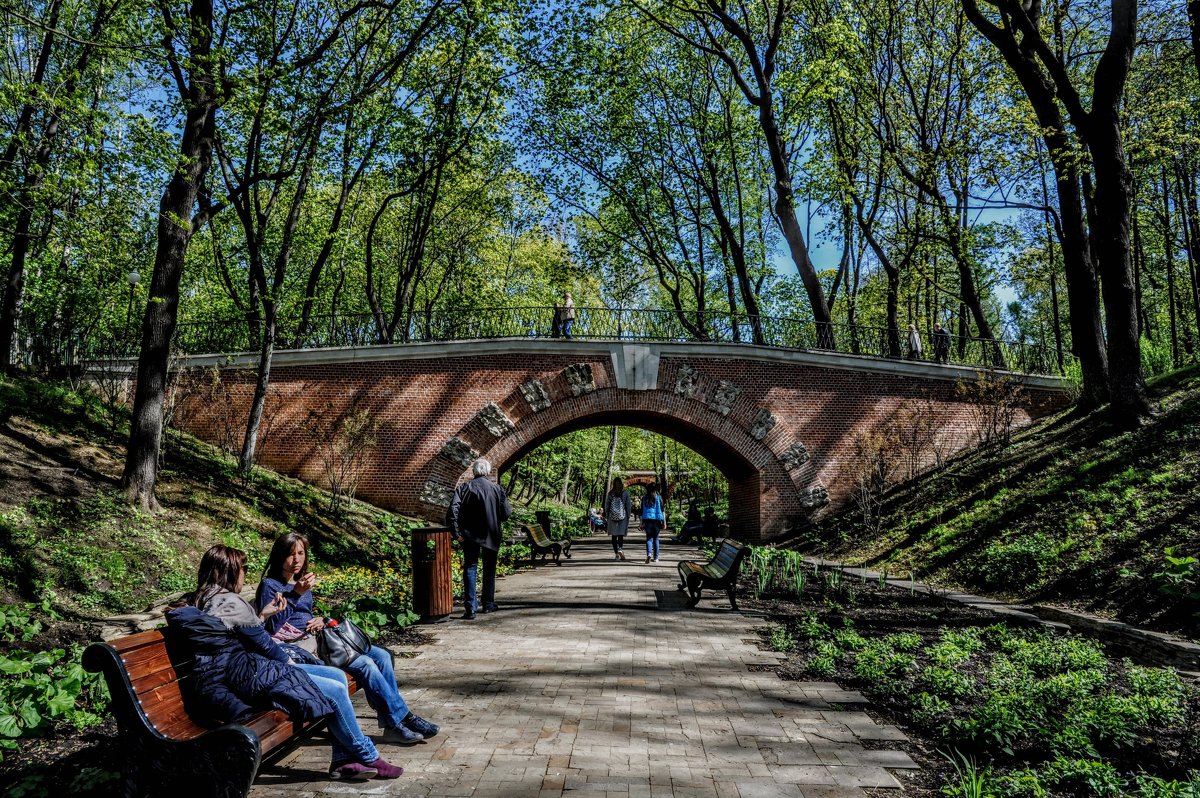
(653,521)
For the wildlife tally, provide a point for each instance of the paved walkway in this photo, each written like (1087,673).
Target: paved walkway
(593,681)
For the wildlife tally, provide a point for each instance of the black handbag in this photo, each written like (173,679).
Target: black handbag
(341,642)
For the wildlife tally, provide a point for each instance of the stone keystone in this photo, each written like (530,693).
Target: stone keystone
(459,451)
(794,456)
(686,380)
(723,395)
(494,420)
(436,494)
(579,378)
(535,394)
(761,424)
(814,497)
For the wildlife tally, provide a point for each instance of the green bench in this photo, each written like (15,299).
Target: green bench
(541,545)
(719,573)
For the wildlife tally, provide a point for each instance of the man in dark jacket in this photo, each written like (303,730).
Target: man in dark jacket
(476,512)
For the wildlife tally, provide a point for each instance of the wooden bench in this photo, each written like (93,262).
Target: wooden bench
(540,544)
(721,572)
(165,751)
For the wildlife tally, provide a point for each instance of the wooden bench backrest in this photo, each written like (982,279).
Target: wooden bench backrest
(727,555)
(538,535)
(155,681)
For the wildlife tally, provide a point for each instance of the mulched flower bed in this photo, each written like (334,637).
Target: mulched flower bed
(907,651)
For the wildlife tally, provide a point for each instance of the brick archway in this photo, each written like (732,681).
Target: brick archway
(763,493)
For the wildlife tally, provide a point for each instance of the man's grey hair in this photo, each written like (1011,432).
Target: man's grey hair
(482,467)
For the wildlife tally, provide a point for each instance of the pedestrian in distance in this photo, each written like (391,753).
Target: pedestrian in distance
(914,343)
(653,521)
(477,510)
(941,343)
(617,508)
(565,314)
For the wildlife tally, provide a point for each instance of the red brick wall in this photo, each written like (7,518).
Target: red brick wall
(423,397)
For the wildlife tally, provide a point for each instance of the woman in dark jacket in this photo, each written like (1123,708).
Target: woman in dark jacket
(249,670)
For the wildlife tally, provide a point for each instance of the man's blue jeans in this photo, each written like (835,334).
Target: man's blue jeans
(374,673)
(349,742)
(472,553)
(567,325)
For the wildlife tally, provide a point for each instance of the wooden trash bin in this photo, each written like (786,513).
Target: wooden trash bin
(432,593)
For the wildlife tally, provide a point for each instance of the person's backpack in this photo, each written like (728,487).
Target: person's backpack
(616,508)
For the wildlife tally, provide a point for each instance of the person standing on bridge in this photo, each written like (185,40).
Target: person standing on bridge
(941,343)
(653,520)
(914,343)
(476,512)
(617,508)
(564,314)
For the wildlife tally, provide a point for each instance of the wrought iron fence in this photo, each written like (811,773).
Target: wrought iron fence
(591,323)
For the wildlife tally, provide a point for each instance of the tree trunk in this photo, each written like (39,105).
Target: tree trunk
(176,224)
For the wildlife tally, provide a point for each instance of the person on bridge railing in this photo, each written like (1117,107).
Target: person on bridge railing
(914,343)
(564,315)
(941,343)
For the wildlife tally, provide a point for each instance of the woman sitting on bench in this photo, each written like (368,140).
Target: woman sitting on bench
(221,578)
(288,580)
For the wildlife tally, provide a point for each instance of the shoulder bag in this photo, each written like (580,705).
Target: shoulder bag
(341,642)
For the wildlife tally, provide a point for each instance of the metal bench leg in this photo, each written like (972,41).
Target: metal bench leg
(694,583)
(567,549)
(732,592)
(557,550)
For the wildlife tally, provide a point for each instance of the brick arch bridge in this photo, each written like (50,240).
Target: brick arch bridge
(780,425)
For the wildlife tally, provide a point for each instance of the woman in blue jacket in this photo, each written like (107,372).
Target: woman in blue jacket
(249,670)
(289,584)
(653,521)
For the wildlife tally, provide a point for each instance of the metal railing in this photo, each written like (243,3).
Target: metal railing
(604,324)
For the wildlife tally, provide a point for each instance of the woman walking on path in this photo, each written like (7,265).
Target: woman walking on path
(914,343)
(653,520)
(617,508)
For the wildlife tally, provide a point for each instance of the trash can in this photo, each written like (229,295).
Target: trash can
(543,518)
(432,593)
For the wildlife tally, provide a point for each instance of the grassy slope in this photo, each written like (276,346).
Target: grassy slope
(65,528)
(1074,512)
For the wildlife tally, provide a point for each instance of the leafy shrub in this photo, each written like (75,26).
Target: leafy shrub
(1022,783)
(781,639)
(1023,562)
(947,683)
(811,627)
(1082,777)
(39,687)
(930,710)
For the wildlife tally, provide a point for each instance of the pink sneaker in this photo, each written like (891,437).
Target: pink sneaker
(354,771)
(387,770)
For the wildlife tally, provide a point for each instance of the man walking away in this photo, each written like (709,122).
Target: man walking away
(566,315)
(476,512)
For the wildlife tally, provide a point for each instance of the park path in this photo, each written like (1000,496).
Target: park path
(593,681)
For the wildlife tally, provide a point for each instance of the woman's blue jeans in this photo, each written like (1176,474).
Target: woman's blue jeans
(349,742)
(652,528)
(374,674)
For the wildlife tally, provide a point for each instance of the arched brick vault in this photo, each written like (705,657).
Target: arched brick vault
(754,474)
(781,425)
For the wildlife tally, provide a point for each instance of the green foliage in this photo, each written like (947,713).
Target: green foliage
(781,639)
(971,781)
(1017,564)
(1179,574)
(40,687)
(1084,777)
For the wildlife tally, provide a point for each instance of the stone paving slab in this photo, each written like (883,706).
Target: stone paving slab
(587,682)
